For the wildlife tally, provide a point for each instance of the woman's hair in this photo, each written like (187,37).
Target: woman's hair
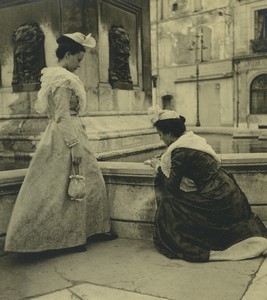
(65,45)
(176,127)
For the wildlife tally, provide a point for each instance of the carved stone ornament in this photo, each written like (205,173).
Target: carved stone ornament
(119,52)
(29,57)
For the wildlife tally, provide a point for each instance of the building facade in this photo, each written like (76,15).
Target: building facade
(209,60)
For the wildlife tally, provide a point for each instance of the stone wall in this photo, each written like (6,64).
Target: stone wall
(131,192)
(56,17)
(229,27)
(173,39)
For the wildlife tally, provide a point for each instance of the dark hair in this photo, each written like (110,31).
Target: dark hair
(176,127)
(65,45)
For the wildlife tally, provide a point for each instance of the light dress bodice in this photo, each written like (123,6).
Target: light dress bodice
(54,78)
(74,105)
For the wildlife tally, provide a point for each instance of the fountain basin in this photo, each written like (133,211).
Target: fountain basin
(132,216)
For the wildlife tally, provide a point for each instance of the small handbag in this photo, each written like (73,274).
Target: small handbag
(76,189)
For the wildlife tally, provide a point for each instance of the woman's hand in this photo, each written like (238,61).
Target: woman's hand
(76,154)
(154,163)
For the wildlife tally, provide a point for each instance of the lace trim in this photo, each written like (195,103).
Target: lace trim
(54,78)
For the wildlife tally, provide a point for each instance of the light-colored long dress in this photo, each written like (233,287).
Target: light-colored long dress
(44,216)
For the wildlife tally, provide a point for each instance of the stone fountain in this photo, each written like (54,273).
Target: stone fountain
(116,74)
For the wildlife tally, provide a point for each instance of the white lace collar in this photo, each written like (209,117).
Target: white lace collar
(54,77)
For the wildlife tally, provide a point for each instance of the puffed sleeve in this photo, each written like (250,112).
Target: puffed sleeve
(62,98)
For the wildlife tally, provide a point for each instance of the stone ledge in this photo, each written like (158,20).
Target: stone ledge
(244,159)
(130,190)
(109,155)
(12,176)
(125,168)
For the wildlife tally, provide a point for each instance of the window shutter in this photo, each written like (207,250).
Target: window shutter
(206,46)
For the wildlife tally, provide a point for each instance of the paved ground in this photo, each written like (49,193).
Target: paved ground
(128,269)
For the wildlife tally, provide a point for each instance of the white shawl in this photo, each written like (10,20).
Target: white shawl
(54,77)
(187,140)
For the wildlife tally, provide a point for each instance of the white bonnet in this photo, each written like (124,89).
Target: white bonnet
(161,114)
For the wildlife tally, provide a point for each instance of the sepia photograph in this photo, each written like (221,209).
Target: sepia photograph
(133,149)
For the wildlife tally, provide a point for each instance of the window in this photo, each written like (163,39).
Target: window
(259,44)
(258,95)
(175,6)
(261,24)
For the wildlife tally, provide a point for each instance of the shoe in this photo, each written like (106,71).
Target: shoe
(107,236)
(81,248)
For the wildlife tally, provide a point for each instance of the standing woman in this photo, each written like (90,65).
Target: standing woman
(45,217)
(202,214)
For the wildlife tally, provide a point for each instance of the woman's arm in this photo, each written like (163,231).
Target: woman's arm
(64,121)
(178,167)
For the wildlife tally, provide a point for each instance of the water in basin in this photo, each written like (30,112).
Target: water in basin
(221,143)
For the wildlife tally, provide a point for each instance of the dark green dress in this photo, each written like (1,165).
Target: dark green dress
(188,225)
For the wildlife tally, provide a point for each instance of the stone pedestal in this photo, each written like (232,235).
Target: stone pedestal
(115,120)
(110,136)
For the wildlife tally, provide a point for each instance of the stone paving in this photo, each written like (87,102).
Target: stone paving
(128,269)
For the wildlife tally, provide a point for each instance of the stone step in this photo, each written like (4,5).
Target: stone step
(106,133)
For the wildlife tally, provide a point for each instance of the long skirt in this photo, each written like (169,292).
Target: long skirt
(44,216)
(196,225)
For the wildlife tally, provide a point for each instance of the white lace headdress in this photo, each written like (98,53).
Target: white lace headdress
(161,114)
